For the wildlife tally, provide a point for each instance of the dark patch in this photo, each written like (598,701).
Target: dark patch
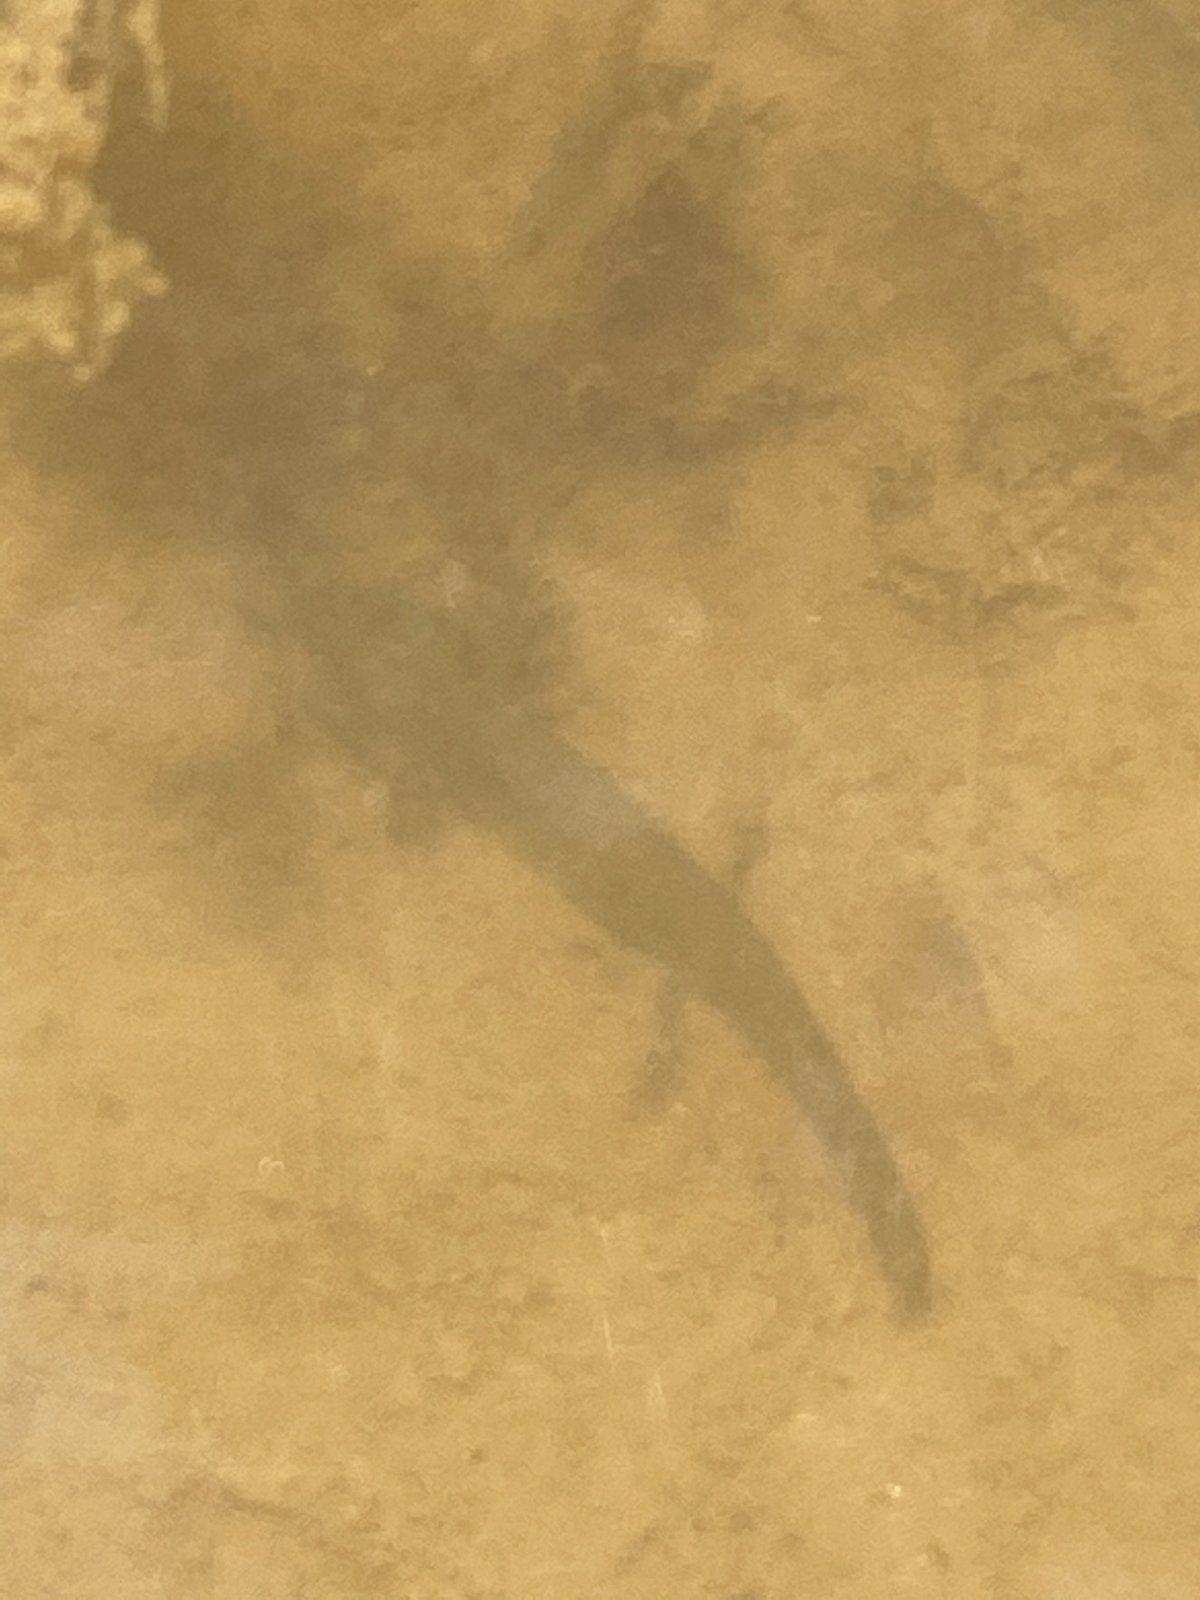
(674,289)
(664,289)
(90,46)
(111,1108)
(901,492)
(944,251)
(236,414)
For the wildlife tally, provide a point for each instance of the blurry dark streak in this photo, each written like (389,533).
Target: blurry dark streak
(222,418)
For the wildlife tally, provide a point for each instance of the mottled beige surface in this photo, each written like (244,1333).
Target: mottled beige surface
(68,279)
(801,404)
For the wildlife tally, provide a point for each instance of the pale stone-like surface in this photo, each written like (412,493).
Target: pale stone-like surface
(798,404)
(69,279)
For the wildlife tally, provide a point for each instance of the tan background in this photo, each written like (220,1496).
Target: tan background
(803,402)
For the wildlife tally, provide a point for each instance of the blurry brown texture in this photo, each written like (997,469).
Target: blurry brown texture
(777,421)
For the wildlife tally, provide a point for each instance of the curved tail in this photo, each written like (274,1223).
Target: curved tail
(510,773)
(577,826)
